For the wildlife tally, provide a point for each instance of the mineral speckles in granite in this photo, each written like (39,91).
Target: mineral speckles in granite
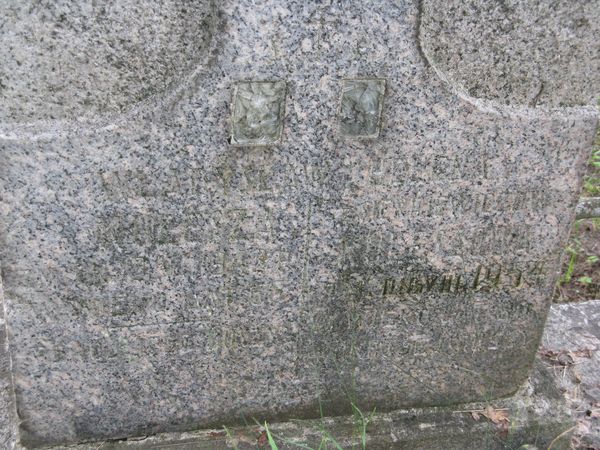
(157,278)
(78,60)
(258,112)
(360,107)
(534,52)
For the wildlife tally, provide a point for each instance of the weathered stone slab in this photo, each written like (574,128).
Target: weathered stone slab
(158,278)
(517,52)
(538,415)
(63,59)
(571,349)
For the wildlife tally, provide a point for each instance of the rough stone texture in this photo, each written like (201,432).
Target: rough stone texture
(537,417)
(159,279)
(8,430)
(538,414)
(571,349)
(533,52)
(70,59)
(588,208)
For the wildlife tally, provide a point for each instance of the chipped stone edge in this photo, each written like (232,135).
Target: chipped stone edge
(588,208)
(8,412)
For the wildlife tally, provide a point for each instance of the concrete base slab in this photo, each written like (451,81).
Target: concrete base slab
(555,409)
(536,417)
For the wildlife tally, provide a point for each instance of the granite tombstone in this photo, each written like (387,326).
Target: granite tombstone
(261,209)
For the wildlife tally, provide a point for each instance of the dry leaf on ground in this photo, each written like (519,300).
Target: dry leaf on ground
(564,357)
(262,440)
(583,353)
(498,416)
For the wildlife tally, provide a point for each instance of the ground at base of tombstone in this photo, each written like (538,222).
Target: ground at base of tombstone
(570,349)
(580,279)
(558,408)
(535,418)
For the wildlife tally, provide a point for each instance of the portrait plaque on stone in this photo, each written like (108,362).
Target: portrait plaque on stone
(258,112)
(360,107)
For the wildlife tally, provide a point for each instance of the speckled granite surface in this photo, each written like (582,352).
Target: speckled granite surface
(65,59)
(158,278)
(538,412)
(534,52)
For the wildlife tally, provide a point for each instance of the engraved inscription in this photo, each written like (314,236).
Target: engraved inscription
(444,200)
(258,111)
(480,278)
(483,279)
(360,107)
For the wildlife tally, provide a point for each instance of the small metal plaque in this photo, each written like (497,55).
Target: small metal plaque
(359,115)
(258,111)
